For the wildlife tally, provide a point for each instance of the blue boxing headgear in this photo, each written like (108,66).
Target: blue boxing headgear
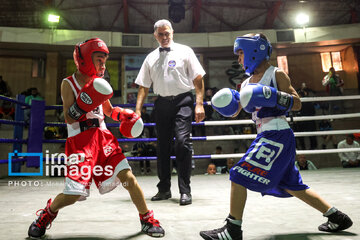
(256,49)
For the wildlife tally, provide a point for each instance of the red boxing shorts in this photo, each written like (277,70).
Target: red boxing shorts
(93,155)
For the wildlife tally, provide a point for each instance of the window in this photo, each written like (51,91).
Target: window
(283,63)
(331,59)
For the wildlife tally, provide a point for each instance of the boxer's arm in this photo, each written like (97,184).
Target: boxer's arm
(107,108)
(142,94)
(68,99)
(284,85)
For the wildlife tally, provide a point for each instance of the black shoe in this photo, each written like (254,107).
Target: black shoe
(161,196)
(151,226)
(38,228)
(337,221)
(229,231)
(185,199)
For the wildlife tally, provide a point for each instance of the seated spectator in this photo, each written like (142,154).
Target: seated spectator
(220,163)
(349,159)
(303,164)
(34,95)
(142,149)
(307,109)
(4,88)
(211,169)
(7,110)
(230,163)
(325,125)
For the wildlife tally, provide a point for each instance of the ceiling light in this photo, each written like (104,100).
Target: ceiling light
(302,19)
(53,18)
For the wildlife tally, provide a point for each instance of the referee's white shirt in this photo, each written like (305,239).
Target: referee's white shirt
(171,73)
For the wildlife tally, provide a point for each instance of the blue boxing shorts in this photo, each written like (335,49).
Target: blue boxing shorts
(268,166)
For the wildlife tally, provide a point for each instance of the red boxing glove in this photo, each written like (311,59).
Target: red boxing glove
(131,125)
(93,94)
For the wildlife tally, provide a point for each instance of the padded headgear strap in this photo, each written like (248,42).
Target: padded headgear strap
(255,48)
(83,55)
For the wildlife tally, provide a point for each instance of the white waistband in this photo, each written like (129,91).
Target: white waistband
(74,128)
(271,123)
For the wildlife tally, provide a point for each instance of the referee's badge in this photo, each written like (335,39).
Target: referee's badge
(171,63)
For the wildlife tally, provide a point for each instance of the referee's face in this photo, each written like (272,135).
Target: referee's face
(164,36)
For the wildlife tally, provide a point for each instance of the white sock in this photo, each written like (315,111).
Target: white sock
(330,211)
(234,221)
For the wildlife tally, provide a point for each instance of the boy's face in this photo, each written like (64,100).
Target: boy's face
(241,57)
(99,60)
(211,169)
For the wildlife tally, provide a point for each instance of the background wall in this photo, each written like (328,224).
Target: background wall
(17,73)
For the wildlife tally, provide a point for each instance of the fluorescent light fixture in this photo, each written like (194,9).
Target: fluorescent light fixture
(302,18)
(53,18)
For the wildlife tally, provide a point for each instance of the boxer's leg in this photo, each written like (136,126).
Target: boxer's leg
(149,225)
(337,221)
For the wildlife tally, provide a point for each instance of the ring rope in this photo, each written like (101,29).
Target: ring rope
(2,97)
(221,156)
(12,122)
(235,122)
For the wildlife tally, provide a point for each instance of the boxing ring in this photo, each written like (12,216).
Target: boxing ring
(37,123)
(115,217)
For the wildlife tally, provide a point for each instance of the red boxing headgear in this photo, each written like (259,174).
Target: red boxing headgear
(83,55)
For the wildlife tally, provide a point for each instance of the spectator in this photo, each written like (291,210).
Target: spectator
(220,164)
(349,159)
(308,91)
(142,149)
(211,169)
(4,87)
(325,125)
(307,109)
(335,88)
(230,163)
(7,110)
(34,95)
(303,164)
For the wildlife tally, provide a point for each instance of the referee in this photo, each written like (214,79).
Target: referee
(173,70)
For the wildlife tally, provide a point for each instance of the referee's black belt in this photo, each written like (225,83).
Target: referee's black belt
(172,98)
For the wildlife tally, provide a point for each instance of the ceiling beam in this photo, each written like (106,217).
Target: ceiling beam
(272,14)
(152,21)
(91,6)
(219,18)
(126,16)
(354,17)
(116,17)
(196,15)
(250,19)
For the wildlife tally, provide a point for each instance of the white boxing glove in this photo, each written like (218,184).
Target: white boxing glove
(226,102)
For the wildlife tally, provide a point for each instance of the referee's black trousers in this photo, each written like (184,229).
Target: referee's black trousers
(173,116)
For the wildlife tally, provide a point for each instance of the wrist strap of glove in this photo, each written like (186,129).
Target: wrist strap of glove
(116,113)
(284,101)
(76,113)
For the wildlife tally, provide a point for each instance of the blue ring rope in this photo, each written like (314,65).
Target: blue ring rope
(2,97)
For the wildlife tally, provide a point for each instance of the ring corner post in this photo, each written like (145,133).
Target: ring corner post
(36,129)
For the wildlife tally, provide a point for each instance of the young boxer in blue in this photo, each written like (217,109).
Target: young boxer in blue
(268,166)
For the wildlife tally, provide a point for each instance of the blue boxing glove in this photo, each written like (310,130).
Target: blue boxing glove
(257,95)
(226,102)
